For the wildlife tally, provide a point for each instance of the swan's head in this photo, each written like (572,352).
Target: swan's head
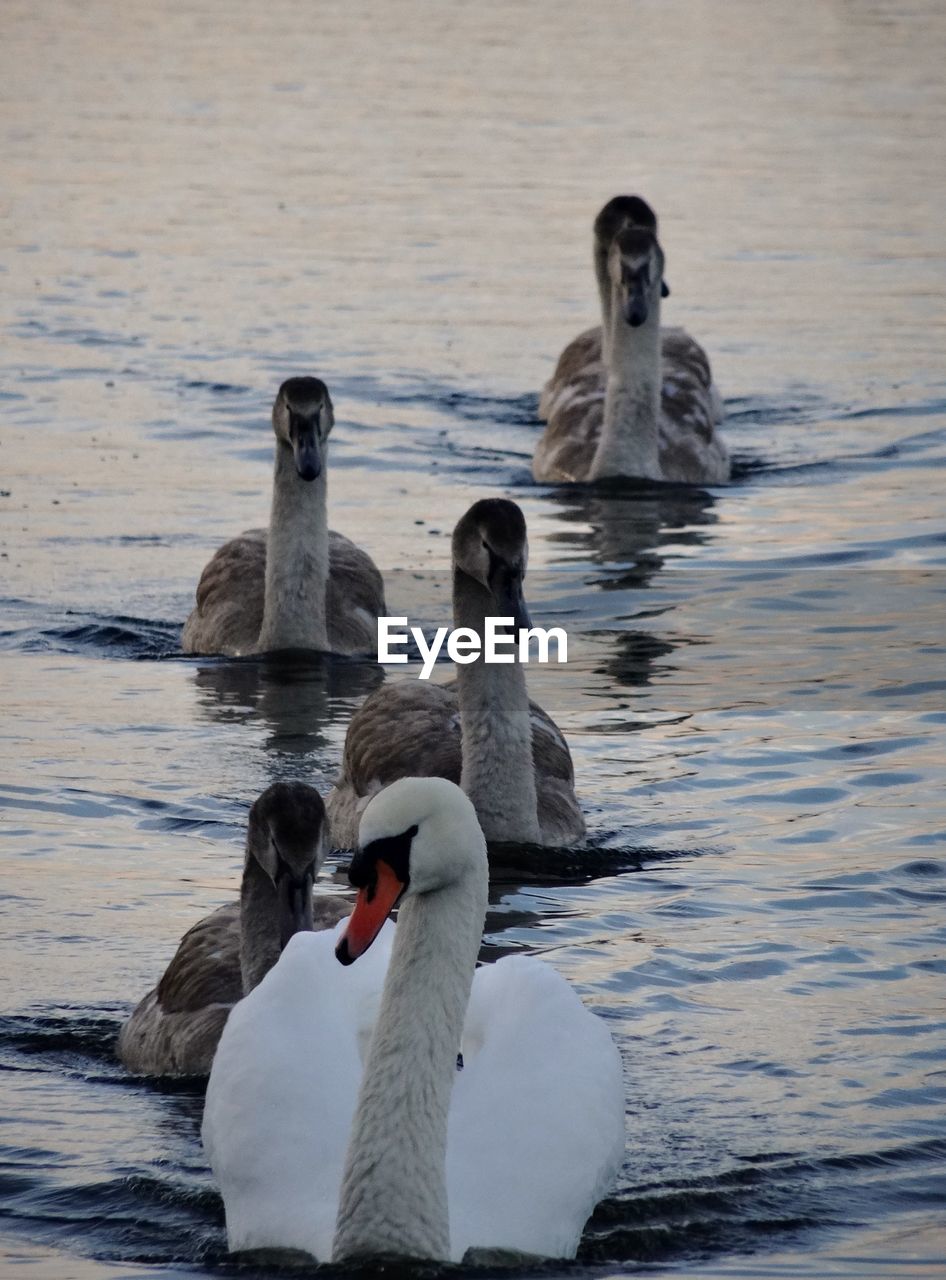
(417,836)
(302,419)
(490,546)
(618,213)
(287,835)
(636,269)
(623,211)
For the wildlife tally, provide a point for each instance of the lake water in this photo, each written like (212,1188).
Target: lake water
(203,198)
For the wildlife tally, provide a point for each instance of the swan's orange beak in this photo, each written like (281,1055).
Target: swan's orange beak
(371,910)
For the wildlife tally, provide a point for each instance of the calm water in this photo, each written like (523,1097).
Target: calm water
(203,198)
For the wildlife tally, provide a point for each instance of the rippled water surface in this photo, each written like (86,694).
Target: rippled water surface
(202,198)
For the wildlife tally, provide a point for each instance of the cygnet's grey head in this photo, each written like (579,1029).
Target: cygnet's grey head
(287,836)
(302,420)
(635,268)
(619,213)
(490,546)
(622,211)
(417,836)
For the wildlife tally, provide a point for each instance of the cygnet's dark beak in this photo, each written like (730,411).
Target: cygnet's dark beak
(295,903)
(635,306)
(307,451)
(505,582)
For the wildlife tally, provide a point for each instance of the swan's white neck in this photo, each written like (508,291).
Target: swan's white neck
(629,443)
(394,1190)
(496,725)
(296,560)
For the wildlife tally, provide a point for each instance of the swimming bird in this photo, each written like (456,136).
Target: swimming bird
(481,730)
(628,398)
(350,1144)
(295,585)
(583,358)
(175,1028)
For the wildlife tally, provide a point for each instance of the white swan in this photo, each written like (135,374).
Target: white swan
(422,1160)
(629,399)
(482,731)
(175,1028)
(295,585)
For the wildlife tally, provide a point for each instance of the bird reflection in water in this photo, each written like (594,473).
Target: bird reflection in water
(296,696)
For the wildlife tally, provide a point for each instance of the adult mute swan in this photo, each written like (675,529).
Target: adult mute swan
(175,1028)
(406,1155)
(628,398)
(481,731)
(295,585)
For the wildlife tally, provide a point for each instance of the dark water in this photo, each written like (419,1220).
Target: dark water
(204,199)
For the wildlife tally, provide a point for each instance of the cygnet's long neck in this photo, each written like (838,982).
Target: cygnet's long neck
(629,443)
(394,1190)
(496,727)
(259,925)
(604,293)
(297,560)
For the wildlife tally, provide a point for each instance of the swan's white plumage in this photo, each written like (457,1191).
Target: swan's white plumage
(536,1128)
(536,1133)
(283,1089)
